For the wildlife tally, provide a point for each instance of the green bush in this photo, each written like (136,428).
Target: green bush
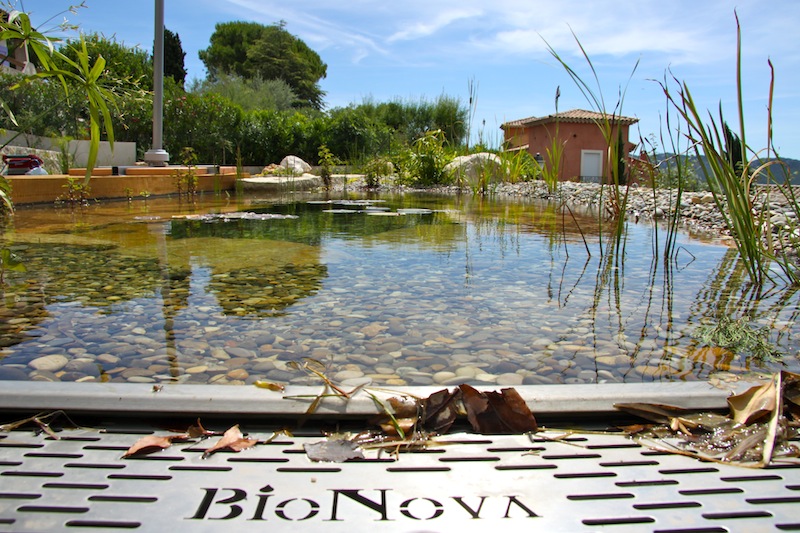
(375,169)
(206,123)
(352,134)
(422,165)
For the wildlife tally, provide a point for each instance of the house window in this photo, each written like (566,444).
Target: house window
(591,166)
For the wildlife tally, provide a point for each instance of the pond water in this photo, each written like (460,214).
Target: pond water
(399,290)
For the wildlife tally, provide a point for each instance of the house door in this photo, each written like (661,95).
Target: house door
(591,165)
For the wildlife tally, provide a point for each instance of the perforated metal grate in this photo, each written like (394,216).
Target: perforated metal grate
(466,482)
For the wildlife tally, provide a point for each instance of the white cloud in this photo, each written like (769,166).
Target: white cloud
(431,25)
(322,30)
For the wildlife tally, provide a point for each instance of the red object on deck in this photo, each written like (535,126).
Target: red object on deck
(16,165)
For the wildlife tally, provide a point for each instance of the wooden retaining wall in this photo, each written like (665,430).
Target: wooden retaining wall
(103,185)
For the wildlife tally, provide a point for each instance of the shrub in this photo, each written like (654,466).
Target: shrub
(423,164)
(375,169)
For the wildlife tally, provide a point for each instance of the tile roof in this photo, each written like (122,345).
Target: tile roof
(573,115)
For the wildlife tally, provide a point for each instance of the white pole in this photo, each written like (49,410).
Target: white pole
(157,156)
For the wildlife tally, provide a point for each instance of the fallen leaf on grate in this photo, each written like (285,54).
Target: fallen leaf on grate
(233,440)
(492,412)
(333,451)
(153,443)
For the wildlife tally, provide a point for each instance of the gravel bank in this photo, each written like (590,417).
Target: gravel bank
(699,213)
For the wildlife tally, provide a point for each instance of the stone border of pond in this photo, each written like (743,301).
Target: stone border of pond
(564,402)
(699,213)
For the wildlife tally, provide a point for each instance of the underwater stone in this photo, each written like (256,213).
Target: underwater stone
(49,363)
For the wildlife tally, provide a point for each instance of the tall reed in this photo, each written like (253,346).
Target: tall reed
(731,175)
(551,172)
(617,202)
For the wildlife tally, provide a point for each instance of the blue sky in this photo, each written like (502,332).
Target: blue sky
(421,49)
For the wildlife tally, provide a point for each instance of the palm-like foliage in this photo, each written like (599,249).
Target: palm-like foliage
(79,76)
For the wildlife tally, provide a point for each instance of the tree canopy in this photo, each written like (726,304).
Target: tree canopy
(250,94)
(174,57)
(130,67)
(250,50)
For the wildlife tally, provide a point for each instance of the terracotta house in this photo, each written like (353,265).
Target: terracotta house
(585,152)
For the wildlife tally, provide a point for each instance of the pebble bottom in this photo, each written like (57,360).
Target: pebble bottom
(428,304)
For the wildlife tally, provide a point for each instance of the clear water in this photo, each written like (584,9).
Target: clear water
(399,290)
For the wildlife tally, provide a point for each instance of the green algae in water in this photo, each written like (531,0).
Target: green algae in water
(739,336)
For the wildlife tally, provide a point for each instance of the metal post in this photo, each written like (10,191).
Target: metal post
(157,156)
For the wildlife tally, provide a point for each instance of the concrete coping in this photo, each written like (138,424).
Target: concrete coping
(195,400)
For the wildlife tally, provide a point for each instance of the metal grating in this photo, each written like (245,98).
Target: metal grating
(467,482)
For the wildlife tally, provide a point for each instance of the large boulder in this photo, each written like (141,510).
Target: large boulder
(475,168)
(295,165)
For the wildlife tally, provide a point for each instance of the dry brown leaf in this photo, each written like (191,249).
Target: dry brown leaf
(404,407)
(439,410)
(791,393)
(492,412)
(198,431)
(655,412)
(755,433)
(233,440)
(754,403)
(634,429)
(406,425)
(152,443)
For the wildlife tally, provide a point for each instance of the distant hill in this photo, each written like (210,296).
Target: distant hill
(792,167)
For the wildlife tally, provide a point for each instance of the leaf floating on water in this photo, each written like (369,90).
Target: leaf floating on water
(233,440)
(236,215)
(269,385)
(492,412)
(333,451)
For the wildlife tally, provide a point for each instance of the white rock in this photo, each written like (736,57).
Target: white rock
(472,168)
(295,164)
(49,363)
(509,379)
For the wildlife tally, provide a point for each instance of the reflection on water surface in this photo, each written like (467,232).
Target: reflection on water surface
(404,290)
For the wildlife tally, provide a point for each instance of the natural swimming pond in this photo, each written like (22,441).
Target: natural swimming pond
(405,289)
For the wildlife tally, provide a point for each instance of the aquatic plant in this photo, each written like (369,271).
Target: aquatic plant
(326,163)
(551,172)
(375,169)
(731,170)
(76,192)
(738,336)
(472,90)
(617,201)
(519,166)
(186,179)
